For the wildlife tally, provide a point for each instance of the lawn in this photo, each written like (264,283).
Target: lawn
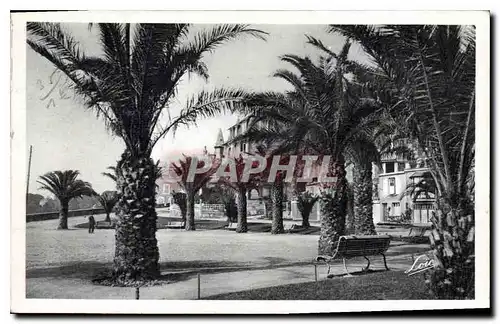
(386,285)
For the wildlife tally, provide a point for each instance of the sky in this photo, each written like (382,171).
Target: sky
(66,135)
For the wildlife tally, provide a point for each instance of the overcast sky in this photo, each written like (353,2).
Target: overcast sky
(65,135)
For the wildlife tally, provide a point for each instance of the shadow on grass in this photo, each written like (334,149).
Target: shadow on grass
(73,270)
(170,271)
(384,285)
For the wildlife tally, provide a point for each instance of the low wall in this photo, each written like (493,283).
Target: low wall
(54,215)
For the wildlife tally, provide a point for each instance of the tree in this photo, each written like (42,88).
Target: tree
(321,115)
(192,186)
(130,86)
(112,174)
(240,186)
(108,200)
(305,204)
(65,186)
(362,152)
(425,75)
(33,203)
(180,200)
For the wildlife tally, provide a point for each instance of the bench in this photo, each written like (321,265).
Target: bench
(104,225)
(231,226)
(356,246)
(176,225)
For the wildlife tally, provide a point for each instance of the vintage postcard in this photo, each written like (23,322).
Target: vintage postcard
(295,162)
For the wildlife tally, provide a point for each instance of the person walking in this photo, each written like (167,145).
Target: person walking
(91,224)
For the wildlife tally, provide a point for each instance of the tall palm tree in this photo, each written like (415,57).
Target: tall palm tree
(235,167)
(321,114)
(192,186)
(180,200)
(429,72)
(111,174)
(108,201)
(306,202)
(65,186)
(362,154)
(131,86)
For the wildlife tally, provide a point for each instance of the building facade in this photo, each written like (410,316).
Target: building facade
(392,198)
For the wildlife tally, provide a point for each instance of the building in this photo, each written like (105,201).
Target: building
(390,203)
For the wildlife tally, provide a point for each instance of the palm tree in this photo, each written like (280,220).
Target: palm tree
(306,202)
(180,200)
(321,114)
(130,86)
(236,183)
(277,189)
(111,174)
(362,152)
(65,186)
(192,186)
(108,200)
(426,76)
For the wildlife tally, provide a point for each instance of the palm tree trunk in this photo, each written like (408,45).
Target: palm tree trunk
(63,215)
(362,193)
(277,200)
(108,218)
(190,226)
(333,210)
(305,219)
(452,240)
(241,199)
(136,247)
(350,221)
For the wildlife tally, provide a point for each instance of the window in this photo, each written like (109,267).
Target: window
(166,188)
(395,204)
(392,186)
(401,166)
(243,147)
(389,167)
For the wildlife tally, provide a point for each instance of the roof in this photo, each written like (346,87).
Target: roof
(220,139)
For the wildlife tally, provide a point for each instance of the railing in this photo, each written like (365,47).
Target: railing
(54,215)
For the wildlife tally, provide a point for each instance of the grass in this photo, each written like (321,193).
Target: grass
(387,285)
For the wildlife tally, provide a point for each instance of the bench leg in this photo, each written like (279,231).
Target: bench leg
(365,269)
(346,271)
(328,275)
(385,262)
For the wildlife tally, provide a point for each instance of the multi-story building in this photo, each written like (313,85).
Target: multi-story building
(390,198)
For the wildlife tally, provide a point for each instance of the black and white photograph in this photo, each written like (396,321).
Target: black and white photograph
(190,158)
